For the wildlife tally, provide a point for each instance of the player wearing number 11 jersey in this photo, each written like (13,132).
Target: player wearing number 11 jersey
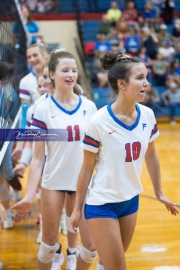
(62,155)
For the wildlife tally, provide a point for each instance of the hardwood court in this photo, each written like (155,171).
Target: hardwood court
(156,242)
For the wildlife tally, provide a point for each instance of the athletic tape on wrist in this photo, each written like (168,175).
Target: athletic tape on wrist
(26,156)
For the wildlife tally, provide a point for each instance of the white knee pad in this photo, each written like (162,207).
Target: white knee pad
(87,255)
(69,226)
(4,191)
(47,252)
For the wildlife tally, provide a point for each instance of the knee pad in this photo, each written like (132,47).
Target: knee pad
(69,226)
(47,252)
(87,255)
(4,191)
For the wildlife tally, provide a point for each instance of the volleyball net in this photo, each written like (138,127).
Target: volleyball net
(13,64)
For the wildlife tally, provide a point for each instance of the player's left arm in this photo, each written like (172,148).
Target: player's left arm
(153,166)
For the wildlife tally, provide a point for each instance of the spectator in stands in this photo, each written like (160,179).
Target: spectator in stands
(131,14)
(147,61)
(104,25)
(132,42)
(31,24)
(167,51)
(140,21)
(163,35)
(152,99)
(100,73)
(159,67)
(168,6)
(171,99)
(176,32)
(174,70)
(156,5)
(149,14)
(113,14)
(122,28)
(114,39)
(102,45)
(149,40)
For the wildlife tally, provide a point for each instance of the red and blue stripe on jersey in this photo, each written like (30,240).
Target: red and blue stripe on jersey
(24,92)
(38,123)
(90,141)
(155,129)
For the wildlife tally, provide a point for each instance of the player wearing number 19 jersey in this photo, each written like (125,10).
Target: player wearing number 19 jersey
(64,158)
(121,150)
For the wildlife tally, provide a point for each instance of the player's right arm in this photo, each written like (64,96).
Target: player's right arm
(23,207)
(82,186)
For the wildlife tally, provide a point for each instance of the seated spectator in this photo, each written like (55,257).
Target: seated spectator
(104,25)
(171,99)
(102,45)
(132,42)
(149,40)
(174,70)
(159,68)
(113,14)
(152,99)
(122,28)
(176,32)
(167,51)
(140,21)
(163,35)
(156,5)
(100,73)
(131,14)
(149,14)
(147,61)
(114,39)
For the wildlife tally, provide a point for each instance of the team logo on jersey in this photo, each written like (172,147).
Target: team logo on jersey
(111,132)
(84,112)
(144,125)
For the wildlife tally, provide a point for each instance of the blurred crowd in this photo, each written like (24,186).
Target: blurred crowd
(152,35)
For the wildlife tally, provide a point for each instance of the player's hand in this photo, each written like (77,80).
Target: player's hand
(169,205)
(75,219)
(15,183)
(16,154)
(22,208)
(2,217)
(20,169)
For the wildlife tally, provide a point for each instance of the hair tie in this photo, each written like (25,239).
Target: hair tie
(119,57)
(60,50)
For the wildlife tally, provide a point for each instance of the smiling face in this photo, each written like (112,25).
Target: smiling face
(135,88)
(47,80)
(35,58)
(42,89)
(65,75)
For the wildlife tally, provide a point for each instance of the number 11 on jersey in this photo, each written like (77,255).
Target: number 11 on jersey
(70,133)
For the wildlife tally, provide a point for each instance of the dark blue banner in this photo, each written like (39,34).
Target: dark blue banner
(33,135)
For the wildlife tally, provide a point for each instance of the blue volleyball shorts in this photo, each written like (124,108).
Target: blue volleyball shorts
(112,210)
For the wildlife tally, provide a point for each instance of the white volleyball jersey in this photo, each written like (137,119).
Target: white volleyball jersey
(121,150)
(28,88)
(31,109)
(64,158)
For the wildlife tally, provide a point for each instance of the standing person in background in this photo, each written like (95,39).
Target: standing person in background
(31,24)
(70,113)
(168,7)
(112,199)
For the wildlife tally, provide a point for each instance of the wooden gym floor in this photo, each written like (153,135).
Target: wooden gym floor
(156,242)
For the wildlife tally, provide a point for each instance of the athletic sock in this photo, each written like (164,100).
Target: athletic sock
(71,251)
(100,267)
(59,249)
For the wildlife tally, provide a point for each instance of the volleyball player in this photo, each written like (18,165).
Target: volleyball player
(67,111)
(117,139)
(36,56)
